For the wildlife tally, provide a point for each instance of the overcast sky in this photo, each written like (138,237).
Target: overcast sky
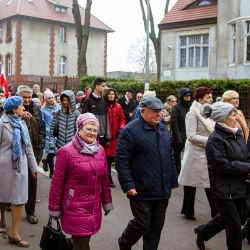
(125,18)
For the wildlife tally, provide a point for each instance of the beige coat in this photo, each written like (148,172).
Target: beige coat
(13,185)
(194,171)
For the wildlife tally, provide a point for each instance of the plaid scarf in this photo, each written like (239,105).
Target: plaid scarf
(84,148)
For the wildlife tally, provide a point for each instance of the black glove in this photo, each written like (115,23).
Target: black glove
(107,212)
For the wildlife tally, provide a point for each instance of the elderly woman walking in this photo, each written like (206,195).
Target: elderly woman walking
(194,172)
(16,156)
(80,184)
(228,166)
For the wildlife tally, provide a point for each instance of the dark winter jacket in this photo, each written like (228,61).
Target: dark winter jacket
(127,107)
(97,106)
(227,156)
(144,161)
(36,130)
(177,120)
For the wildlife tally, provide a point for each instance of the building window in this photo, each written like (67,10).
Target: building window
(233,50)
(63,34)
(62,66)
(1,33)
(1,59)
(204,3)
(9,64)
(248,41)
(8,33)
(60,9)
(194,51)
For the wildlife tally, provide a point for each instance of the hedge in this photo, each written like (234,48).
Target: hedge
(121,85)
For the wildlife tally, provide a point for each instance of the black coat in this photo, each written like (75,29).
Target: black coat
(228,165)
(127,107)
(144,161)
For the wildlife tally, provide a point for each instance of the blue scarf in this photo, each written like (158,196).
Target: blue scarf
(20,139)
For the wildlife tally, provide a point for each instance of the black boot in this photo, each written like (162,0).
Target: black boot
(45,165)
(111,183)
(199,240)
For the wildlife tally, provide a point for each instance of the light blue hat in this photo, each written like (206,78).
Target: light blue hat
(12,102)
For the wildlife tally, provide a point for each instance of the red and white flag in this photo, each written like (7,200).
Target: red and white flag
(3,82)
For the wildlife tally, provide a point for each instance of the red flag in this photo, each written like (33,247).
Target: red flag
(3,82)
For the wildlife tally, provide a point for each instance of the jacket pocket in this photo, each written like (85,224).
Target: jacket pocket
(69,198)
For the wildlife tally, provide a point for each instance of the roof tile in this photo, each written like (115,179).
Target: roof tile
(44,9)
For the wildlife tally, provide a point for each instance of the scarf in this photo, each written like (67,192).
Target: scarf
(20,139)
(84,148)
(232,130)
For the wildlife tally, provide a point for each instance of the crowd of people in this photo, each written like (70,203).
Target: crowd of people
(189,140)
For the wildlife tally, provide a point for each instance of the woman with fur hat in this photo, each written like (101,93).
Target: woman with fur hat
(80,184)
(228,167)
(194,172)
(117,121)
(16,157)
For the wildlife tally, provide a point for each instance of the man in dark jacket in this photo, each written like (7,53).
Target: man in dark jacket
(96,105)
(147,173)
(33,118)
(177,122)
(128,104)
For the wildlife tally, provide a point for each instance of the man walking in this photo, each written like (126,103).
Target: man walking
(33,118)
(96,105)
(147,173)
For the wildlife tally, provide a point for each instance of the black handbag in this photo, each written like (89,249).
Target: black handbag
(53,238)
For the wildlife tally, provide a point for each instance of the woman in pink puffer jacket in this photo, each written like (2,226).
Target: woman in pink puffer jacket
(80,184)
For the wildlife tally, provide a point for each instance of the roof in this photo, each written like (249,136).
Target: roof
(184,14)
(44,9)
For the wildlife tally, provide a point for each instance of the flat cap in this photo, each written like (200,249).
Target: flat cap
(151,102)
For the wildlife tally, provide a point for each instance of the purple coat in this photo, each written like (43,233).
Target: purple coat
(79,188)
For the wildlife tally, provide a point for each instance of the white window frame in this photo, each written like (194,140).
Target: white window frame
(62,33)
(62,65)
(9,65)
(233,44)
(247,36)
(200,46)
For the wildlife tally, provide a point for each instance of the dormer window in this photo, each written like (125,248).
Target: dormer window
(60,9)
(201,3)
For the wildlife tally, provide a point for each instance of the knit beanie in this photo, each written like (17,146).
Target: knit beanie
(85,118)
(12,103)
(47,94)
(218,111)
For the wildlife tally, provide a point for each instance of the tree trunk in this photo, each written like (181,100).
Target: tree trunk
(82,35)
(152,35)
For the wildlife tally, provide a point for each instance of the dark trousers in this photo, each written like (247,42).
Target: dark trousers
(50,161)
(149,218)
(32,188)
(81,242)
(229,218)
(177,156)
(189,198)
(110,160)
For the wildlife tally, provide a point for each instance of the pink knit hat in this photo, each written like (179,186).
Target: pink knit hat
(85,118)
(47,94)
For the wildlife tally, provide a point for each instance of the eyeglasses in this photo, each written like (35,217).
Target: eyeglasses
(172,101)
(89,130)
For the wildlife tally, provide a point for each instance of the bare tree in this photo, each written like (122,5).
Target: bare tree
(137,56)
(156,40)
(82,35)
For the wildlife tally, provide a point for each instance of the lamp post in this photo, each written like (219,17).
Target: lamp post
(146,86)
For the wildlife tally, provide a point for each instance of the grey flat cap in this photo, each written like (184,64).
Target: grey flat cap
(151,102)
